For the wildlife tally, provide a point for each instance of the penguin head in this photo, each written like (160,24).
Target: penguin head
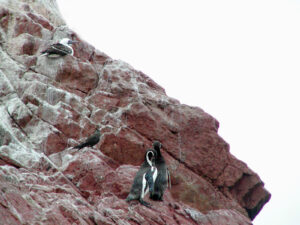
(157,146)
(150,156)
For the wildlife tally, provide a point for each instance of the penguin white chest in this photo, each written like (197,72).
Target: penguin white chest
(146,184)
(154,174)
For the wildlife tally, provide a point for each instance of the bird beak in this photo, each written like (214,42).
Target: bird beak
(72,42)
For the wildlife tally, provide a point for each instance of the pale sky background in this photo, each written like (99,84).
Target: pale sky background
(237,60)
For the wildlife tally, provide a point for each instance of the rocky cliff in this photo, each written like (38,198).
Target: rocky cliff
(49,105)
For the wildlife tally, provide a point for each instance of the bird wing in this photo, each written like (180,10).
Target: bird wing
(142,170)
(92,140)
(162,177)
(58,49)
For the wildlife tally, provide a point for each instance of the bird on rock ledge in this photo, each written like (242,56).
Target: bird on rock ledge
(90,141)
(59,49)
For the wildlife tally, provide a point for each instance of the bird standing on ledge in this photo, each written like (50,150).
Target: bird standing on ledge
(59,49)
(144,179)
(90,141)
(163,176)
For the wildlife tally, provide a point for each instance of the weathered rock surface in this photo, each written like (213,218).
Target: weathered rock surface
(49,105)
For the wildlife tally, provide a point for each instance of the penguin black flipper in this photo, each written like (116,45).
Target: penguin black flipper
(137,185)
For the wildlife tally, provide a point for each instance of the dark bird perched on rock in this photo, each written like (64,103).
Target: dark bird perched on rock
(163,176)
(144,179)
(59,49)
(90,141)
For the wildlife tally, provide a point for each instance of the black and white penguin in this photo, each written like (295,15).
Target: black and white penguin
(163,176)
(59,49)
(144,179)
(151,175)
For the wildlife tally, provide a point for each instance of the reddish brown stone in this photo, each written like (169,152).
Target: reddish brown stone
(38,19)
(29,46)
(7,217)
(4,18)
(98,116)
(126,148)
(102,101)
(81,76)
(24,25)
(82,49)
(67,127)
(154,86)
(99,58)
(60,103)
(21,205)
(21,116)
(55,143)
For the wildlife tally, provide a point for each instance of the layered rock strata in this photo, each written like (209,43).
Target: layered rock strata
(49,105)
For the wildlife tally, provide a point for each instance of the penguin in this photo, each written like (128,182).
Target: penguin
(163,176)
(151,174)
(59,49)
(90,141)
(144,179)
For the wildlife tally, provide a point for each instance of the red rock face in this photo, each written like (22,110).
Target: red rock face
(49,105)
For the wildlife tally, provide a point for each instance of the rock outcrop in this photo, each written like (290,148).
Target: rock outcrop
(47,106)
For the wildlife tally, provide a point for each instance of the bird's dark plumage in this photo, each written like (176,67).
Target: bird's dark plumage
(90,141)
(58,49)
(161,182)
(144,179)
(149,179)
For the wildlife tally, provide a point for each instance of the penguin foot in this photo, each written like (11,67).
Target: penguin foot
(156,196)
(129,198)
(145,203)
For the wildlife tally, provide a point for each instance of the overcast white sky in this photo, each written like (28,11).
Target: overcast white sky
(237,60)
